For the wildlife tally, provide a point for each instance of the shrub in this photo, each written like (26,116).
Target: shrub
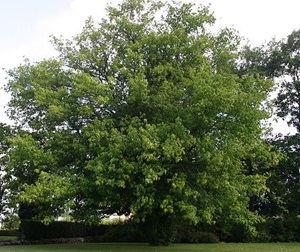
(262,236)
(159,230)
(35,230)
(97,230)
(31,230)
(126,232)
(12,232)
(194,235)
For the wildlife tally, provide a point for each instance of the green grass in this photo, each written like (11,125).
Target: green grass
(130,247)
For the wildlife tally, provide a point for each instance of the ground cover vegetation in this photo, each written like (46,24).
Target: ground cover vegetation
(151,113)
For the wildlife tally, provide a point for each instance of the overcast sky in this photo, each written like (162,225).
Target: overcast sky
(25,25)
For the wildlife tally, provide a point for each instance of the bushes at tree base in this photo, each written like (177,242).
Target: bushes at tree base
(12,232)
(238,233)
(279,230)
(194,235)
(35,230)
(74,240)
(159,230)
(155,233)
(272,230)
(127,232)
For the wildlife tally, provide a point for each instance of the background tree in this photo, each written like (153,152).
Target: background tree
(288,108)
(142,115)
(280,61)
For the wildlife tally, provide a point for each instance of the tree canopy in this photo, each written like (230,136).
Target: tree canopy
(5,133)
(280,61)
(143,113)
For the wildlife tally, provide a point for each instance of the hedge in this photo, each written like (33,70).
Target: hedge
(12,232)
(35,230)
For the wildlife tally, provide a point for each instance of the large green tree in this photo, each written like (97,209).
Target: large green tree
(5,179)
(142,113)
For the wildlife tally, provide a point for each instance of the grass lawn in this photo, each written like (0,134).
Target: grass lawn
(130,247)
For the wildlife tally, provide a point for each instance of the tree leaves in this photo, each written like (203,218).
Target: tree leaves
(141,114)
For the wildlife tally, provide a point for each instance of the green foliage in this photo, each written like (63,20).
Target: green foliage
(65,229)
(8,216)
(8,232)
(126,232)
(160,230)
(36,230)
(142,115)
(194,234)
(11,221)
(280,60)
(279,230)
